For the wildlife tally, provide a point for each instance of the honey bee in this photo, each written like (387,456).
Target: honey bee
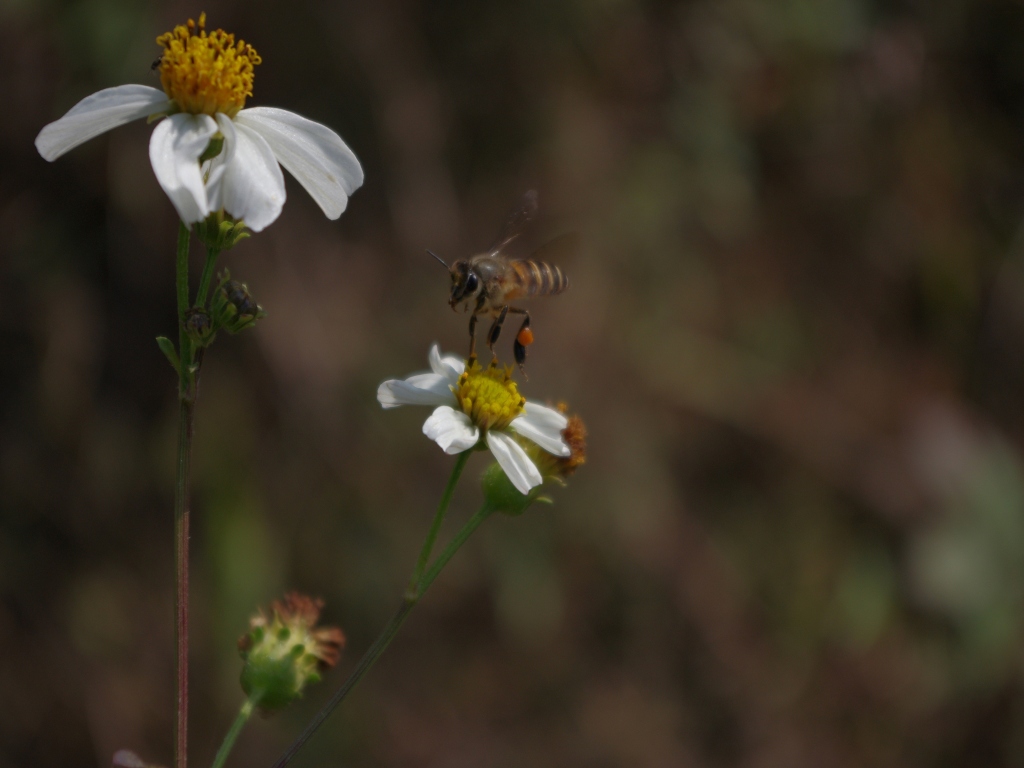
(486,283)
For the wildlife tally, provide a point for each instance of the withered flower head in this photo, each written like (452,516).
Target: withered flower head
(285,651)
(575,436)
(505,498)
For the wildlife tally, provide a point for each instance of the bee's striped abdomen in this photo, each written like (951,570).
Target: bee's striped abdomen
(538,278)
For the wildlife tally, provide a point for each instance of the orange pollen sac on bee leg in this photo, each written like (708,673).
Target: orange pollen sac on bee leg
(525,337)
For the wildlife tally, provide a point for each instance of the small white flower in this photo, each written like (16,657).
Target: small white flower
(479,401)
(206,79)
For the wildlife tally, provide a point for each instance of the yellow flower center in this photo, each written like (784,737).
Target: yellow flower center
(206,73)
(489,396)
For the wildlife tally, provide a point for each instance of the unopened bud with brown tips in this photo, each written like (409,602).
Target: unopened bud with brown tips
(199,327)
(233,307)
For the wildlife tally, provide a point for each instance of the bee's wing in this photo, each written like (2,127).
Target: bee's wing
(517,219)
(559,250)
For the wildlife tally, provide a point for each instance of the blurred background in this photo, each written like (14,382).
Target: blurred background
(795,332)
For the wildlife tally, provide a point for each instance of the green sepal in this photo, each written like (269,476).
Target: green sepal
(167,347)
(221,232)
(213,148)
(277,678)
(504,497)
(232,307)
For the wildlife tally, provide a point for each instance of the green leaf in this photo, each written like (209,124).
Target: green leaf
(167,347)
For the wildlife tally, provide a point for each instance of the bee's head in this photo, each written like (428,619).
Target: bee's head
(466,283)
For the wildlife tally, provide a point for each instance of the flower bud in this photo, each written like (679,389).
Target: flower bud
(285,652)
(199,327)
(233,308)
(504,497)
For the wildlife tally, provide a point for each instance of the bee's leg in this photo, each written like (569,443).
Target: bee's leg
(480,302)
(523,339)
(495,332)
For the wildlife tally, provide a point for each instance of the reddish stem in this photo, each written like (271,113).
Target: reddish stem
(181,536)
(186,398)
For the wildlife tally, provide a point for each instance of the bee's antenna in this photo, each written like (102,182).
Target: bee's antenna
(438,258)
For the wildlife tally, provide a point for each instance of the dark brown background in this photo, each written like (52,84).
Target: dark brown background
(795,331)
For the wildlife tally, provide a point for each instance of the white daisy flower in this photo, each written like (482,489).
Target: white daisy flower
(206,79)
(480,403)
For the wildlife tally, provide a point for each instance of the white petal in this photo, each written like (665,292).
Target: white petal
(174,150)
(549,439)
(452,430)
(97,114)
(252,185)
(448,366)
(544,426)
(125,758)
(513,459)
(541,415)
(420,389)
(313,153)
(214,169)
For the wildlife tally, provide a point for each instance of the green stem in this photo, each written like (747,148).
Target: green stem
(182,276)
(236,727)
(371,655)
(181,511)
(412,596)
(460,538)
(185,351)
(207,277)
(435,526)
